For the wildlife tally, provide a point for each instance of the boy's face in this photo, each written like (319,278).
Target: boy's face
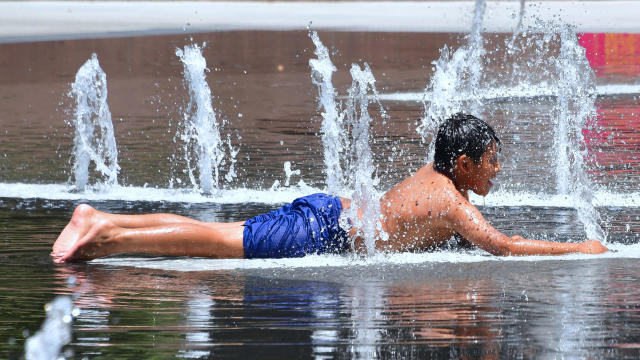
(485,170)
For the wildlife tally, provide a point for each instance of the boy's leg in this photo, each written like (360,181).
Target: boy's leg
(216,240)
(85,216)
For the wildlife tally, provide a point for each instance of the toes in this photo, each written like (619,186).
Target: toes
(72,252)
(58,257)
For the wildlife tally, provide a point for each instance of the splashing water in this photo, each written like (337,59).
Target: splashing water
(365,198)
(518,29)
(54,333)
(476,46)
(201,134)
(288,172)
(454,84)
(347,155)
(557,62)
(476,30)
(334,139)
(575,106)
(233,152)
(460,80)
(94,139)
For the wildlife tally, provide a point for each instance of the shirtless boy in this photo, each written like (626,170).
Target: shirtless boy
(421,212)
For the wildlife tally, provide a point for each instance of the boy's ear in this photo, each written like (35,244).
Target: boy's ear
(463,162)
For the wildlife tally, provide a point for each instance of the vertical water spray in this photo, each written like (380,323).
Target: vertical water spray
(476,28)
(288,172)
(362,170)
(94,139)
(201,133)
(575,106)
(455,81)
(476,47)
(333,134)
(443,87)
(349,161)
(518,29)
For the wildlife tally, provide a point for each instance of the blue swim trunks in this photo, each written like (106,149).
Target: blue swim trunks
(309,225)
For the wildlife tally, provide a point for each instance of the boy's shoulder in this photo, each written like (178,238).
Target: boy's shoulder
(436,183)
(426,191)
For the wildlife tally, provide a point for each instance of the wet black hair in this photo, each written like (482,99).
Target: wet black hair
(461,134)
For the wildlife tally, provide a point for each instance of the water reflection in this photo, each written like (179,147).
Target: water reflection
(366,304)
(489,310)
(566,330)
(458,318)
(323,338)
(198,316)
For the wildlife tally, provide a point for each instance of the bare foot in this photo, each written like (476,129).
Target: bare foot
(77,227)
(592,247)
(99,241)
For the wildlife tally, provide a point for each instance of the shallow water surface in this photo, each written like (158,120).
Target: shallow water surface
(449,303)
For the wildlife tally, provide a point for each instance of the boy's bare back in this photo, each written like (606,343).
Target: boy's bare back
(416,210)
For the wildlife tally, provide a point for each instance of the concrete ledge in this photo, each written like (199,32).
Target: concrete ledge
(56,20)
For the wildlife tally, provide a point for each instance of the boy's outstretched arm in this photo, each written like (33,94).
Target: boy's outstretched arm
(467,220)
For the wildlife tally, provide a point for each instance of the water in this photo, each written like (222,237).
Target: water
(55,333)
(346,142)
(460,81)
(288,171)
(365,206)
(200,132)
(575,109)
(519,26)
(454,85)
(422,305)
(333,132)
(94,141)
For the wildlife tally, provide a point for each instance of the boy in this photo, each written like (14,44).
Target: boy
(421,212)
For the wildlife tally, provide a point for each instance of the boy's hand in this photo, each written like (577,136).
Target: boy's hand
(592,247)
(586,247)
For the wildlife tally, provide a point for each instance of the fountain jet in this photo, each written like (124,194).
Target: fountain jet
(346,141)
(454,86)
(362,171)
(334,139)
(201,135)
(94,140)
(575,106)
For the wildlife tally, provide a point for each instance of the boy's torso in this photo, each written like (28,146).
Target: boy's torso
(415,211)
